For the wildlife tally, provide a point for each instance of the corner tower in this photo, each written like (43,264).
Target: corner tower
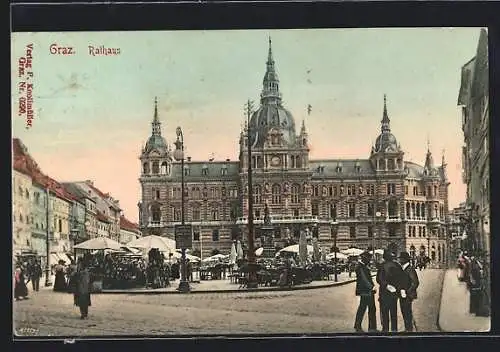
(156,165)
(386,154)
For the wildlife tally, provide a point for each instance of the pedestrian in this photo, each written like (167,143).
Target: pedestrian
(81,294)
(20,288)
(388,277)
(408,290)
(365,289)
(35,275)
(475,282)
(60,279)
(70,273)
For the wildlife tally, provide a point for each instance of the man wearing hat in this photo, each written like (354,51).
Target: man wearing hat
(388,278)
(408,289)
(365,289)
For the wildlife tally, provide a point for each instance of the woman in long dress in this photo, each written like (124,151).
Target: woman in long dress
(81,295)
(60,280)
(20,288)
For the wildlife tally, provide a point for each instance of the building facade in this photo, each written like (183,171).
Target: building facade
(474,101)
(381,200)
(22,216)
(39,210)
(103,203)
(128,230)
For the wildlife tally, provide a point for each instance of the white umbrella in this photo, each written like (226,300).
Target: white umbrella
(99,243)
(339,256)
(378,251)
(295,249)
(152,241)
(239,250)
(233,255)
(352,252)
(259,251)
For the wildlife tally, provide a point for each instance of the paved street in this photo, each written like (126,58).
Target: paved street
(324,310)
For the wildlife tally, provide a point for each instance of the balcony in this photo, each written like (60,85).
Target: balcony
(393,219)
(155,224)
(281,220)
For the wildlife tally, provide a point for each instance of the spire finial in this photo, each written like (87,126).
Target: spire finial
(428,144)
(385,118)
(443,161)
(156,121)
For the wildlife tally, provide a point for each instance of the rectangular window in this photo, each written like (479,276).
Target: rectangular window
(257,213)
(196,214)
(196,235)
(392,231)
(351,211)
(215,235)
(370,231)
(296,213)
(391,188)
(177,214)
(371,209)
(315,209)
(406,190)
(333,212)
(420,231)
(352,231)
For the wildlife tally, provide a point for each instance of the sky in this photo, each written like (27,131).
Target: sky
(93,113)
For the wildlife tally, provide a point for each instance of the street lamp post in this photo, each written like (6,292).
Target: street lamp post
(179,155)
(334,229)
(252,279)
(47,241)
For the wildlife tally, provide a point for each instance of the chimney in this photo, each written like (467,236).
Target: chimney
(188,159)
(90,182)
(228,159)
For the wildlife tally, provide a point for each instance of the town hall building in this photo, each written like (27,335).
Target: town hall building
(381,200)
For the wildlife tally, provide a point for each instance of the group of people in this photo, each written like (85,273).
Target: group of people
(25,272)
(471,271)
(398,281)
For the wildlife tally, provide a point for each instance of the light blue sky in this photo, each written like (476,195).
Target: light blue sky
(95,129)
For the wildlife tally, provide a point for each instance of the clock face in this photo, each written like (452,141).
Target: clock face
(275,161)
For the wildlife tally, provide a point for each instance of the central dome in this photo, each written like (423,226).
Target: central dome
(156,142)
(272,116)
(386,142)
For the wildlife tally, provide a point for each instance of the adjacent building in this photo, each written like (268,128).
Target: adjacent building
(61,215)
(474,101)
(21,210)
(106,210)
(381,200)
(128,230)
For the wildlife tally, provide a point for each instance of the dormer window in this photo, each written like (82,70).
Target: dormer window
(186,170)
(321,169)
(339,167)
(156,167)
(204,170)
(223,171)
(357,167)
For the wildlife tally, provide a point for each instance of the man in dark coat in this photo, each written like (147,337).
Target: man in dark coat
(388,277)
(408,290)
(365,289)
(82,287)
(474,283)
(35,274)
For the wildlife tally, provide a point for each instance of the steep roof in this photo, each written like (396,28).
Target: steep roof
(214,169)
(101,217)
(128,225)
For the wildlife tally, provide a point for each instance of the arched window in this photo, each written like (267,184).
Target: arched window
(156,213)
(333,211)
(27,194)
(145,168)
(156,167)
(215,213)
(295,193)
(60,225)
(413,214)
(408,213)
(276,194)
(164,168)
(257,194)
(418,209)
